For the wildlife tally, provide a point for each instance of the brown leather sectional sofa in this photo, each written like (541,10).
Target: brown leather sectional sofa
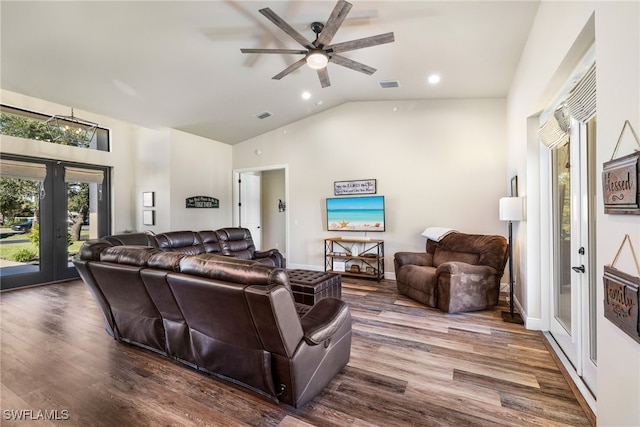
(233,318)
(231,241)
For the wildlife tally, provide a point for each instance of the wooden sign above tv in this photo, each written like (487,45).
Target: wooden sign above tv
(362,186)
(202,202)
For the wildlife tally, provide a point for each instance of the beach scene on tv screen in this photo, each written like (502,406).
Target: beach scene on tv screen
(355,214)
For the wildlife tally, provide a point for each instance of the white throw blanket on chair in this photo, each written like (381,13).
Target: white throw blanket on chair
(437,233)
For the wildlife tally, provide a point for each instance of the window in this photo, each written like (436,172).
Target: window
(30,125)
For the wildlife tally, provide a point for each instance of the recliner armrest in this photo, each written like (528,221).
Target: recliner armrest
(266,254)
(273,254)
(413,258)
(324,319)
(457,267)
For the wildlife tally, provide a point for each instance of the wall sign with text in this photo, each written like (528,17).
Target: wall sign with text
(620,178)
(620,185)
(202,202)
(362,186)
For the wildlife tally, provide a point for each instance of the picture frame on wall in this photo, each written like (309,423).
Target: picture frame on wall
(514,186)
(148,199)
(149,217)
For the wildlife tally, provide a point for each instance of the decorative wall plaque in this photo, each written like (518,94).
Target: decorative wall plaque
(621,295)
(620,179)
(363,186)
(202,202)
(621,301)
(620,185)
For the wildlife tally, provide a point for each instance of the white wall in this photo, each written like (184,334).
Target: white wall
(173,164)
(199,167)
(558,36)
(438,163)
(273,221)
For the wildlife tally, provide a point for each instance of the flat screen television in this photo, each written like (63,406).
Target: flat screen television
(362,213)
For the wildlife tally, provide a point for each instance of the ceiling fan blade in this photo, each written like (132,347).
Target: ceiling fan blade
(280,23)
(361,43)
(293,51)
(290,69)
(323,75)
(354,65)
(337,17)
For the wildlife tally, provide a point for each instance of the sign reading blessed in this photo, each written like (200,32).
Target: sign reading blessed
(363,186)
(620,185)
(202,202)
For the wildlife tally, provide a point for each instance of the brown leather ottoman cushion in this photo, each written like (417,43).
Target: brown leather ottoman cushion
(309,286)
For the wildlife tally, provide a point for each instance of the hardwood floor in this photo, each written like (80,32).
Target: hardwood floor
(410,366)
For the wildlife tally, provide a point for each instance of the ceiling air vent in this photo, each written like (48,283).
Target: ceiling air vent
(385,84)
(263,115)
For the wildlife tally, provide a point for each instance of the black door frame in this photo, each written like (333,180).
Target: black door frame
(54,264)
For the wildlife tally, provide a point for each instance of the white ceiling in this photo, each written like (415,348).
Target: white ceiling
(178,64)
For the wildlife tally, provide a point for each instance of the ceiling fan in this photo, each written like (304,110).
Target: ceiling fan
(319,52)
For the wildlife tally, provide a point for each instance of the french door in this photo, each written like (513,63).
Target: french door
(49,208)
(573,318)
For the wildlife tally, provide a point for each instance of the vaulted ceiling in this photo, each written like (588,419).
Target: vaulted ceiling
(178,64)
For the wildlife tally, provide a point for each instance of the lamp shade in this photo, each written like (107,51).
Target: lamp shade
(317,59)
(511,209)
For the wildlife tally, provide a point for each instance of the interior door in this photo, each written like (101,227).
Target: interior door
(572,323)
(250,206)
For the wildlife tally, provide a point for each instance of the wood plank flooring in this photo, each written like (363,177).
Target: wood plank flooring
(410,366)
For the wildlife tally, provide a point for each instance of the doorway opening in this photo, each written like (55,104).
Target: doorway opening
(260,203)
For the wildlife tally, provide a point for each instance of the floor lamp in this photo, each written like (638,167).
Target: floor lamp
(511,209)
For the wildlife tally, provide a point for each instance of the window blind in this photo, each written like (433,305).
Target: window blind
(22,170)
(581,101)
(72,174)
(552,134)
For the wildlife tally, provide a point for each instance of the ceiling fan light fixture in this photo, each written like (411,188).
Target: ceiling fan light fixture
(317,59)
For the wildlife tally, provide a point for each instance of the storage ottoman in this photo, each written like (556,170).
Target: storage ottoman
(309,287)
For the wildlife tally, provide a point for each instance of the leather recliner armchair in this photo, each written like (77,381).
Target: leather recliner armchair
(237,242)
(459,273)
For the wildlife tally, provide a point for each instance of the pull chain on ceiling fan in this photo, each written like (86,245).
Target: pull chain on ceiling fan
(319,52)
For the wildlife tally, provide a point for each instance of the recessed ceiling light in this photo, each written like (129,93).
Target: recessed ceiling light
(434,79)
(306,95)
(319,103)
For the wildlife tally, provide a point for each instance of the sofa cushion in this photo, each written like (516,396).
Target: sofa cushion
(139,239)
(188,242)
(443,255)
(210,241)
(237,242)
(492,250)
(128,255)
(166,260)
(91,249)
(233,270)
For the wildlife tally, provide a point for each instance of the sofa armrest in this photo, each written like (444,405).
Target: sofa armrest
(457,267)
(273,254)
(413,258)
(265,254)
(324,319)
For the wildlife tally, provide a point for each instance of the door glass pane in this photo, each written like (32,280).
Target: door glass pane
(20,225)
(593,280)
(82,214)
(562,235)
